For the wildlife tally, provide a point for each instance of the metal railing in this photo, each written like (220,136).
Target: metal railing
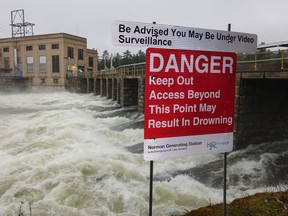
(263,61)
(260,61)
(131,70)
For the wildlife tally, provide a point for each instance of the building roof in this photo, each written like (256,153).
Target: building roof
(273,45)
(44,36)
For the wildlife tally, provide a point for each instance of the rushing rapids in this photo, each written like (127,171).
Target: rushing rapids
(71,154)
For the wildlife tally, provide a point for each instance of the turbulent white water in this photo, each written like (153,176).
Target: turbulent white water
(71,154)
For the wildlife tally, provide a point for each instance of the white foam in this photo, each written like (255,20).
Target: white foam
(62,160)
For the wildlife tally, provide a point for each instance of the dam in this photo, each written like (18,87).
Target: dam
(261,100)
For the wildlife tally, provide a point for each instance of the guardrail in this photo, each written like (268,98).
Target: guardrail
(131,70)
(263,61)
(260,61)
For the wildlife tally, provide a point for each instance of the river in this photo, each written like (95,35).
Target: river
(79,155)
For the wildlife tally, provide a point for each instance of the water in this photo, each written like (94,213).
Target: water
(72,154)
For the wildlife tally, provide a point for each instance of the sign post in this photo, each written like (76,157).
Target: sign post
(189,94)
(225,169)
(151,188)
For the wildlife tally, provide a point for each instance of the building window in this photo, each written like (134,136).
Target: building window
(80,54)
(6,63)
(6,49)
(55,81)
(81,70)
(42,81)
(70,52)
(91,62)
(55,64)
(29,48)
(55,46)
(42,64)
(42,47)
(30,64)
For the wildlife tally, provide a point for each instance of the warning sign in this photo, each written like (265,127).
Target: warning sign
(189,103)
(179,37)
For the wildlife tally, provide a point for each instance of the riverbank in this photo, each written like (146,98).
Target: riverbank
(272,204)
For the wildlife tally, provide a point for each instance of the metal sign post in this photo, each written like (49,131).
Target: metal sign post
(225,169)
(151,189)
(224,182)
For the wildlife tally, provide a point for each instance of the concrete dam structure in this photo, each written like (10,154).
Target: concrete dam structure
(261,100)
(261,96)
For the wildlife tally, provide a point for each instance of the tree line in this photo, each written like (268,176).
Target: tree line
(104,62)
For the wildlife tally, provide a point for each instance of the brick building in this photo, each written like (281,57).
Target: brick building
(47,60)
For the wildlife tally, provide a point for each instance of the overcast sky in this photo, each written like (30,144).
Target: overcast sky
(92,19)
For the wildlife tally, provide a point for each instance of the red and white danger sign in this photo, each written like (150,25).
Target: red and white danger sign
(189,103)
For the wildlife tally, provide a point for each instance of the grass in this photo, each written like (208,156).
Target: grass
(261,204)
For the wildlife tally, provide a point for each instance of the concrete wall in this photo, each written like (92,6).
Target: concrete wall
(13,84)
(97,86)
(261,111)
(141,93)
(128,92)
(103,87)
(77,85)
(109,88)
(114,89)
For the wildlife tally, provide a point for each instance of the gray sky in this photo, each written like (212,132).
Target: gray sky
(93,18)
